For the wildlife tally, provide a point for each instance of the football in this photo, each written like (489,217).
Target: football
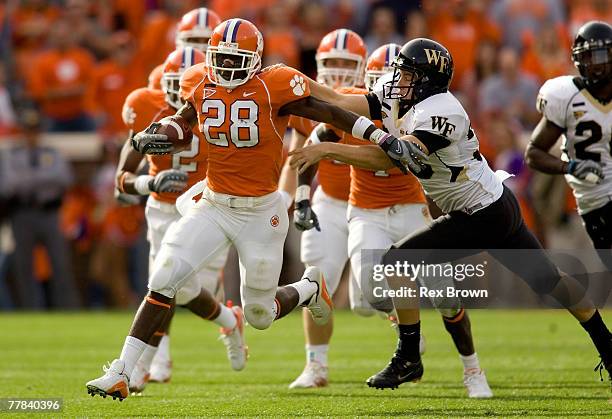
(178,131)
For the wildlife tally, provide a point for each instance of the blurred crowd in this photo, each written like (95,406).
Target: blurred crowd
(67,66)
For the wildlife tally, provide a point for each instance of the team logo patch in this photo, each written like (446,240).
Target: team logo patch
(579,114)
(298,85)
(274,221)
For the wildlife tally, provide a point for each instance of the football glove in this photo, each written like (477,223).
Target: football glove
(304,217)
(406,155)
(148,142)
(581,169)
(170,180)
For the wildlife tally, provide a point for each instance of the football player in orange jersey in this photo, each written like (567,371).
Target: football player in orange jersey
(168,176)
(242,111)
(340,58)
(193,30)
(386,206)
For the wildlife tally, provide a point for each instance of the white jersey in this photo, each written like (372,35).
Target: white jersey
(459,177)
(588,135)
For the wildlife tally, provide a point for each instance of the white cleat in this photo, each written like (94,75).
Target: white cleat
(320,304)
(161,371)
(113,383)
(139,379)
(233,339)
(475,382)
(313,376)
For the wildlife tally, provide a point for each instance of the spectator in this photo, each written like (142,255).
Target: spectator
(86,27)
(35,178)
(7,114)
(314,25)
(485,66)
(416,26)
(461,29)
(280,41)
(547,56)
(511,92)
(113,80)
(581,11)
(60,81)
(382,29)
(519,19)
(158,36)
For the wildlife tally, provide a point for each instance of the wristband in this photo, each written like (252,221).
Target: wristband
(302,193)
(360,126)
(314,136)
(142,184)
(286,197)
(377,136)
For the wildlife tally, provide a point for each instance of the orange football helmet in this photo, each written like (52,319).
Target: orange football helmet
(154,81)
(177,62)
(234,53)
(379,63)
(195,28)
(341,44)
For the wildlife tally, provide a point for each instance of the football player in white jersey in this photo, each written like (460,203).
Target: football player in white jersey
(439,146)
(580,108)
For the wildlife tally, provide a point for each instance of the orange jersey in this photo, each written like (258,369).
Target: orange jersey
(384,188)
(144,106)
(243,127)
(334,177)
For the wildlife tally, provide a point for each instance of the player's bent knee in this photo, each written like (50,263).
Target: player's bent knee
(449,313)
(189,291)
(168,274)
(258,315)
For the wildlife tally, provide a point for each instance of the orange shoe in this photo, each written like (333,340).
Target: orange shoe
(113,383)
(320,304)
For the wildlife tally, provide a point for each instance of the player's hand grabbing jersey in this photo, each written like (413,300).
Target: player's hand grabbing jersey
(587,123)
(243,127)
(145,106)
(457,177)
(334,177)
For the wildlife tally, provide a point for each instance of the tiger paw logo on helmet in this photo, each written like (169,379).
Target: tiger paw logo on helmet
(298,85)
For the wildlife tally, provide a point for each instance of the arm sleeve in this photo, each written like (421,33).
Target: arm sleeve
(375,106)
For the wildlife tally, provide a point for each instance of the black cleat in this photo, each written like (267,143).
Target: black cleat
(397,372)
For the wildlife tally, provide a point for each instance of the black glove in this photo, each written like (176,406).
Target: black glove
(304,217)
(404,154)
(171,180)
(581,168)
(148,142)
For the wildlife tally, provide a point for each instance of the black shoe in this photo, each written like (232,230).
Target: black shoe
(397,372)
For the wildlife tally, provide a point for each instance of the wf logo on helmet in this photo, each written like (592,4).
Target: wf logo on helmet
(437,57)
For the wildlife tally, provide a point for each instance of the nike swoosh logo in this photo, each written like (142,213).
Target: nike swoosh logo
(245,94)
(399,149)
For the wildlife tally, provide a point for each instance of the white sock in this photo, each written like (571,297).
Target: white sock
(317,353)
(305,289)
(163,349)
(131,352)
(470,362)
(226,318)
(147,356)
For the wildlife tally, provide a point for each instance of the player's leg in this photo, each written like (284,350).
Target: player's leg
(598,224)
(189,243)
(260,250)
(448,232)
(159,216)
(545,278)
(325,249)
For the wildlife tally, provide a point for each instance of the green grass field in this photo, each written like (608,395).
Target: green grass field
(538,364)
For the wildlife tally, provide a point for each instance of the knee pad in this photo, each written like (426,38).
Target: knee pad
(449,312)
(169,273)
(258,315)
(190,290)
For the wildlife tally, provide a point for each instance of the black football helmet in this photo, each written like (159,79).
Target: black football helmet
(592,52)
(431,65)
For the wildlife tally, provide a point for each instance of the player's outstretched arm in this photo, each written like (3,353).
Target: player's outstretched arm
(129,161)
(353,103)
(367,156)
(537,155)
